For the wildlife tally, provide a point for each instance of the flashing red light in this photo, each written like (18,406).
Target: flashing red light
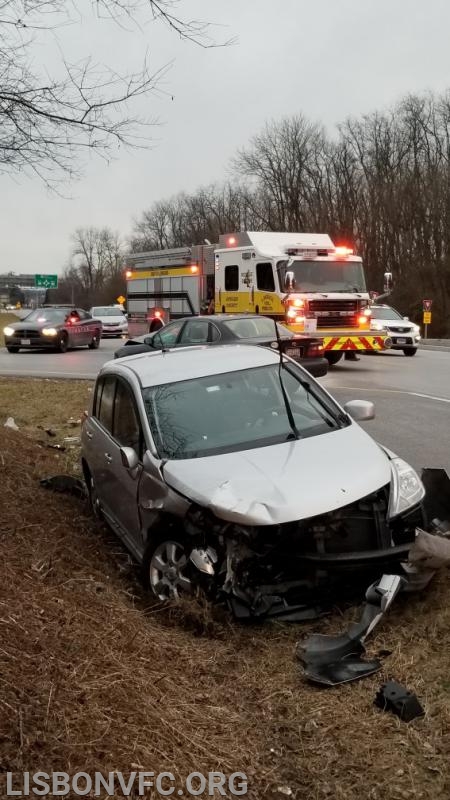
(73,320)
(128,273)
(194,268)
(157,314)
(363,319)
(343,251)
(232,241)
(298,303)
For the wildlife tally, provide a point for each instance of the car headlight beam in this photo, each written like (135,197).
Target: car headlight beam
(407,490)
(8,331)
(49,331)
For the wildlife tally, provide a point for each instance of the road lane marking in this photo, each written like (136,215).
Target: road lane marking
(391,391)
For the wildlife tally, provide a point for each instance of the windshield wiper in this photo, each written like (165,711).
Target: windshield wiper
(287,406)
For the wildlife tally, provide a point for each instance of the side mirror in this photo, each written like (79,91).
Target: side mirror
(360,410)
(130,459)
(289,281)
(155,342)
(406,319)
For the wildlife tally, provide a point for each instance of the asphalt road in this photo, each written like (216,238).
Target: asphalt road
(411,395)
(412,402)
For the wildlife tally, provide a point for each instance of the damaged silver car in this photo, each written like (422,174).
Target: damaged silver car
(238,473)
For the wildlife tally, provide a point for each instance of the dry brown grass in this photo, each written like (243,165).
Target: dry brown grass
(96,676)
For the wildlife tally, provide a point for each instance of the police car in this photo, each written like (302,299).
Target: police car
(58,327)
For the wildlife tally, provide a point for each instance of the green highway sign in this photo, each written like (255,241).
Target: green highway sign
(46,281)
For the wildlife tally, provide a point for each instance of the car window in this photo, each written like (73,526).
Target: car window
(236,411)
(168,336)
(83,314)
(126,428)
(105,401)
(251,327)
(47,315)
(195,332)
(214,333)
(385,313)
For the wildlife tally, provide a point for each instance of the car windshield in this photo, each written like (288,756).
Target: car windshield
(384,313)
(47,315)
(326,276)
(253,327)
(234,411)
(106,311)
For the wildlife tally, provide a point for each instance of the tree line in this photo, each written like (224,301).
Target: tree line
(381,184)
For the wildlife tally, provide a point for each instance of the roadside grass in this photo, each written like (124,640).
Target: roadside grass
(37,405)
(98,676)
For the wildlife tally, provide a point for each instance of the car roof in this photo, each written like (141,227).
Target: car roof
(171,366)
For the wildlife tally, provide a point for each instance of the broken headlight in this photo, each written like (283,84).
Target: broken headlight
(407,489)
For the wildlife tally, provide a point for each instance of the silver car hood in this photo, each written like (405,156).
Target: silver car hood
(285,482)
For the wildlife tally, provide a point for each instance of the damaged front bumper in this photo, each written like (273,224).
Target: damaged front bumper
(297,571)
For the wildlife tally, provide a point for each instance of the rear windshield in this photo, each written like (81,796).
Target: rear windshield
(252,328)
(106,311)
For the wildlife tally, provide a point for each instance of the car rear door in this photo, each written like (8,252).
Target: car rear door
(116,424)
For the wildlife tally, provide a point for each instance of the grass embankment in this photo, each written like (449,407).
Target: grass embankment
(95,676)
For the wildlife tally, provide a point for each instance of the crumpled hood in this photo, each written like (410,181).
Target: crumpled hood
(285,482)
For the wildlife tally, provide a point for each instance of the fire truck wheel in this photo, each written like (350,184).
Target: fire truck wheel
(333,357)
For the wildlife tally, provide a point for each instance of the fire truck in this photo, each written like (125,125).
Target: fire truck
(300,279)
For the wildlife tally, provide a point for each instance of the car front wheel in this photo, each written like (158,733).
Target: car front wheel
(63,343)
(166,567)
(410,351)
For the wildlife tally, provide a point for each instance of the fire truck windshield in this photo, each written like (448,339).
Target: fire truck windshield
(326,276)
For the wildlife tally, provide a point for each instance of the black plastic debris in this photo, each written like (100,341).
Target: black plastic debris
(65,484)
(392,696)
(331,660)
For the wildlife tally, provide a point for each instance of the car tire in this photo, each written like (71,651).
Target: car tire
(92,492)
(410,351)
(12,348)
(94,344)
(163,565)
(63,343)
(333,356)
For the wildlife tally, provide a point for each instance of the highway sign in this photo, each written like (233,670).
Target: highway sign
(46,281)
(427,317)
(427,305)
(121,299)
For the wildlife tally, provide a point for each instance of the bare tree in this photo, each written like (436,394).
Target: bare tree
(48,121)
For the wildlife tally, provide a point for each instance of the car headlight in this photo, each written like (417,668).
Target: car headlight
(416,328)
(407,489)
(8,331)
(49,331)
(376,326)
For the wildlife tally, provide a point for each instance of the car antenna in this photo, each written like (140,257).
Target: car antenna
(289,413)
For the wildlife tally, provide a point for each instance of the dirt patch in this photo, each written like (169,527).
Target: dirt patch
(97,677)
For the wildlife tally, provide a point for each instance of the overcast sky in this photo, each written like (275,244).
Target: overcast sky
(327,58)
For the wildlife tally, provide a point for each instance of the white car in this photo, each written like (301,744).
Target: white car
(114,320)
(405,334)
(241,474)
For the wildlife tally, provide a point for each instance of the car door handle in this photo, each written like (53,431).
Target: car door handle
(89,435)
(108,458)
